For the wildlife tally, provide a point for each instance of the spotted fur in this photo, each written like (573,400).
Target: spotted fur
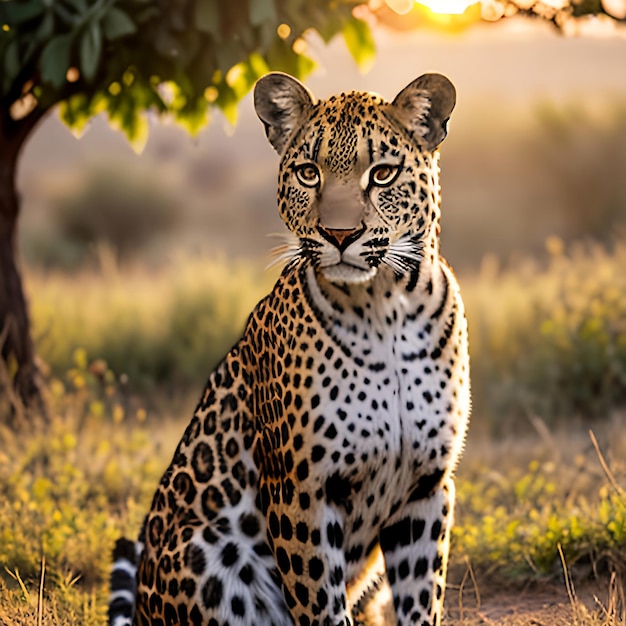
(316,472)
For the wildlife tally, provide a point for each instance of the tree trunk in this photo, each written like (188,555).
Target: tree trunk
(19,374)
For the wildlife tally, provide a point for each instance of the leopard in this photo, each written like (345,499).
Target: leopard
(314,484)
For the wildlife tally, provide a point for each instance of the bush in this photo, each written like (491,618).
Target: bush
(583,156)
(515,514)
(549,342)
(124,210)
(68,489)
(167,328)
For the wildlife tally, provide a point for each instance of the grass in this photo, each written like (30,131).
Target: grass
(154,328)
(67,492)
(519,508)
(547,340)
(542,504)
(68,489)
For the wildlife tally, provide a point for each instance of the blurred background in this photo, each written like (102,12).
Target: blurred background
(537,147)
(124,252)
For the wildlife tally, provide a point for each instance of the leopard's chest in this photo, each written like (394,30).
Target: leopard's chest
(367,397)
(379,414)
(361,397)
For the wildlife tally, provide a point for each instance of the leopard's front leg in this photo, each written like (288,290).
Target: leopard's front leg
(416,555)
(307,537)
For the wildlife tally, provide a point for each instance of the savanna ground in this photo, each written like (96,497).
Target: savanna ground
(540,534)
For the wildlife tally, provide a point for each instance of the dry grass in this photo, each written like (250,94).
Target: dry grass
(114,481)
(546,340)
(544,605)
(589,593)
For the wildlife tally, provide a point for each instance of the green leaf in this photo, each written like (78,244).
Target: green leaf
(327,25)
(305,65)
(227,101)
(90,49)
(360,43)
(137,132)
(149,12)
(11,60)
(75,112)
(126,116)
(262,11)
(193,117)
(228,54)
(257,65)
(281,58)
(207,18)
(55,59)
(41,35)
(241,77)
(117,24)
(46,27)
(15,13)
(81,6)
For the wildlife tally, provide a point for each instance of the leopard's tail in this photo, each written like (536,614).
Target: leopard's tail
(123,582)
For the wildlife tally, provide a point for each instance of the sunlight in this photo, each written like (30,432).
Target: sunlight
(441,7)
(449,16)
(450,7)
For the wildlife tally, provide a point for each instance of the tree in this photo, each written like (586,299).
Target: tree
(177,57)
(123,57)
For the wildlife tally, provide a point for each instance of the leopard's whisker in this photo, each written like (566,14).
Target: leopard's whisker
(403,255)
(284,253)
(396,263)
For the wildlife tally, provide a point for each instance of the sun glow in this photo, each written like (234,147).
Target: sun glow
(449,16)
(449,7)
(441,7)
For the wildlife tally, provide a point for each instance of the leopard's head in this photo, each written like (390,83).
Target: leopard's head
(358,183)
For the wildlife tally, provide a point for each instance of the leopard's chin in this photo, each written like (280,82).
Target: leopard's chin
(343,274)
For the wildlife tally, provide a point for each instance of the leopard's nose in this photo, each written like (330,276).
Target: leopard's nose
(341,237)
(338,235)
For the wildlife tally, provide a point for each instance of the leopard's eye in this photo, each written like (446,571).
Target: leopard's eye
(384,174)
(308,175)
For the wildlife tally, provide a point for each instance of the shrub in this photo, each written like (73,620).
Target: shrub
(512,519)
(68,489)
(125,210)
(550,341)
(168,328)
(583,155)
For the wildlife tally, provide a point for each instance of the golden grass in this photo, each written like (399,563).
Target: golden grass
(163,327)
(70,488)
(547,340)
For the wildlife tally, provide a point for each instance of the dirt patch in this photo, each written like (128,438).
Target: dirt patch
(534,605)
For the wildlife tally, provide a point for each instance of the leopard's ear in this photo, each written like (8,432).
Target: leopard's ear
(280,100)
(424,107)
